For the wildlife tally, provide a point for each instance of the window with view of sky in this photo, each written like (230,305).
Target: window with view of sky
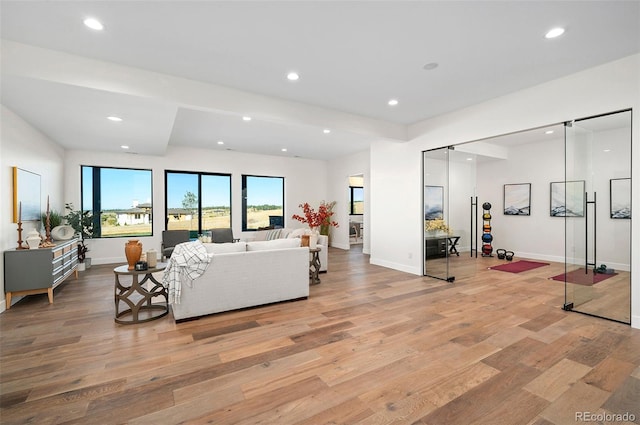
(263,202)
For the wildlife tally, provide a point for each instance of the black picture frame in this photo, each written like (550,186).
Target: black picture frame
(620,198)
(566,199)
(517,199)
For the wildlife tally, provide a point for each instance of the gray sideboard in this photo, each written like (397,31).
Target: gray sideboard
(37,271)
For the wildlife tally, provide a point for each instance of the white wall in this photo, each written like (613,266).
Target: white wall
(339,171)
(305,181)
(25,147)
(610,87)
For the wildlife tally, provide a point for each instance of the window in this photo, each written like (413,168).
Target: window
(262,202)
(120,200)
(356,200)
(197,201)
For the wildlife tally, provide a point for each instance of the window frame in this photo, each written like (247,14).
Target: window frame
(351,202)
(96,208)
(244,199)
(199,174)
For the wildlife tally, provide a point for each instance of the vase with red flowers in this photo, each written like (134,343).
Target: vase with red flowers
(317,220)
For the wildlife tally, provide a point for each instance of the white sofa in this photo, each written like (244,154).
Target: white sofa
(246,274)
(288,233)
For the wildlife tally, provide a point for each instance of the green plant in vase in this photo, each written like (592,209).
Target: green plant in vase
(82,223)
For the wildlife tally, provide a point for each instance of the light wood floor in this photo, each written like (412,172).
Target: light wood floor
(370,346)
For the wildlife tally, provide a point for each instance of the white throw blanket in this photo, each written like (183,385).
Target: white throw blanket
(187,262)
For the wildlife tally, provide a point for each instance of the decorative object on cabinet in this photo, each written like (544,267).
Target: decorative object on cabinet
(26,194)
(567,199)
(517,199)
(34,239)
(20,246)
(487,238)
(433,202)
(38,271)
(620,198)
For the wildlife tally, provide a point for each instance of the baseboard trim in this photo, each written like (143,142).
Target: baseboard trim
(396,266)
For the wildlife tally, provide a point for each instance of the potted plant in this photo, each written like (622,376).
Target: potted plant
(82,223)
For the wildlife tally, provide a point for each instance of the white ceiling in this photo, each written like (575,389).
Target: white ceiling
(185,72)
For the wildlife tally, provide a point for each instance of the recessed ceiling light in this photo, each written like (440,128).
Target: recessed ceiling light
(293,76)
(94,24)
(607,150)
(114,118)
(430,66)
(246,118)
(124,147)
(220,142)
(326,131)
(283,149)
(556,32)
(548,132)
(392,102)
(469,159)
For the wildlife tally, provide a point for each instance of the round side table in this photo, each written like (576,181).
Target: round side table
(138,298)
(314,266)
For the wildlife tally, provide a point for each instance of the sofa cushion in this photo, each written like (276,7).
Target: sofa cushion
(273,234)
(223,248)
(296,233)
(274,244)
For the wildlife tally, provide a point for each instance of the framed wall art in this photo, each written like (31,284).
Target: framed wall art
(517,199)
(567,199)
(433,202)
(620,199)
(26,196)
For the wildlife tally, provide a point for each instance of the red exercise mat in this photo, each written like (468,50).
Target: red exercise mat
(581,278)
(518,266)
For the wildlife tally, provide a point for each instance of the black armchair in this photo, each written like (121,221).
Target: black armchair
(223,235)
(171,238)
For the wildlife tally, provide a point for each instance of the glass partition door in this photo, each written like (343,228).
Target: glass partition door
(436,213)
(598,216)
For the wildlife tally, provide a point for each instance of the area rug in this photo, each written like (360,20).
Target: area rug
(581,278)
(518,266)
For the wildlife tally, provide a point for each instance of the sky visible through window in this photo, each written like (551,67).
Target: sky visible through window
(119,188)
(215,189)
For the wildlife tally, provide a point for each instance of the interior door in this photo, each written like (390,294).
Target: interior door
(597,214)
(436,213)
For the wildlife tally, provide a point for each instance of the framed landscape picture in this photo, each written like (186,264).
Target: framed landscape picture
(620,201)
(567,199)
(26,196)
(517,199)
(433,202)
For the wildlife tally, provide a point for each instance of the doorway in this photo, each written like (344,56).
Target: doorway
(598,223)
(577,184)
(356,210)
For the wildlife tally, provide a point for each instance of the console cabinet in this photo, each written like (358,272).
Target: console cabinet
(435,247)
(37,271)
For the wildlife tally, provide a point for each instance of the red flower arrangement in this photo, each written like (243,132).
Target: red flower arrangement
(316,218)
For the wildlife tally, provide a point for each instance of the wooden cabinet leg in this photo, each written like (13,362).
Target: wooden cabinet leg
(50,295)
(8,301)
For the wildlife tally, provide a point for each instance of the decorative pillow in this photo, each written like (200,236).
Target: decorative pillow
(273,234)
(260,235)
(296,233)
(223,248)
(274,244)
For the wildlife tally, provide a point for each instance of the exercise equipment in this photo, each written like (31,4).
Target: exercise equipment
(502,253)
(509,255)
(487,237)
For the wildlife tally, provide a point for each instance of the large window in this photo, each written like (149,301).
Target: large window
(120,200)
(262,202)
(356,200)
(197,201)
